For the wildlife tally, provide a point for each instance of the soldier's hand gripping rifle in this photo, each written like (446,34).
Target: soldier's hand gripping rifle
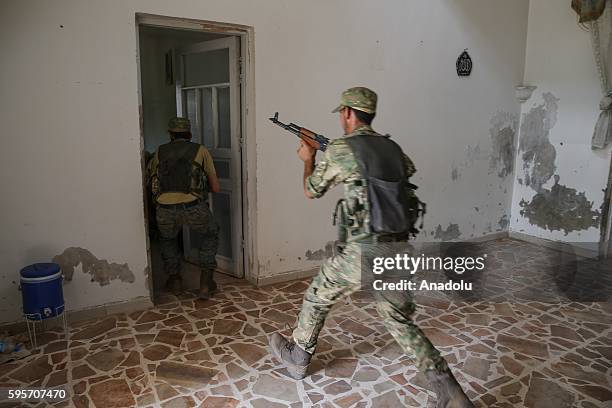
(316,141)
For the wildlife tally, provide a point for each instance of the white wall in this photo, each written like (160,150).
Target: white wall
(70,164)
(559,61)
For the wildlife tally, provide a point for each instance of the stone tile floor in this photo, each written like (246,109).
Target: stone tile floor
(507,349)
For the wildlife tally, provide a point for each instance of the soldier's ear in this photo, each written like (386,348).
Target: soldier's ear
(349,113)
(343,112)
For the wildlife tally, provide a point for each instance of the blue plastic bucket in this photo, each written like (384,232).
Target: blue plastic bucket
(41,291)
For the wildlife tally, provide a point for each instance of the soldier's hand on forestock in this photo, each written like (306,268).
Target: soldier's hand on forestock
(306,152)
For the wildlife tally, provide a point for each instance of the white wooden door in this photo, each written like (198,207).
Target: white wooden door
(208,93)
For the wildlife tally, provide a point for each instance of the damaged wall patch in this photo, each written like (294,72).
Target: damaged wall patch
(320,254)
(450,233)
(502,138)
(538,153)
(455,173)
(101,270)
(561,208)
(503,223)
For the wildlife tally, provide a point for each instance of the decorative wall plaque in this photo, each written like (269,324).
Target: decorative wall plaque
(464,64)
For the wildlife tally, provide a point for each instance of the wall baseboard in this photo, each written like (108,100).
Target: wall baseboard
(286,277)
(489,237)
(565,247)
(73,316)
(295,275)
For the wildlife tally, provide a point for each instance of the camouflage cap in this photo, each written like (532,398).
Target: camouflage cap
(179,125)
(359,98)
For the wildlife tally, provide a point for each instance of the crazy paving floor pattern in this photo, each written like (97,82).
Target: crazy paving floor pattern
(186,352)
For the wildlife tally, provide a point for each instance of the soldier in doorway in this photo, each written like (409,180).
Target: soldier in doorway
(182,175)
(354,160)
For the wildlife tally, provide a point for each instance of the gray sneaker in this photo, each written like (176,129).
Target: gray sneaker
(291,355)
(448,390)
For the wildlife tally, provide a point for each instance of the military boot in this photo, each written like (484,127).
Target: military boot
(291,355)
(174,284)
(208,286)
(448,390)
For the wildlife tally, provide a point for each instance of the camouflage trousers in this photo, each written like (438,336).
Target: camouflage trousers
(170,222)
(341,275)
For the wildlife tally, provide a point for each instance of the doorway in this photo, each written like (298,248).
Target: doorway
(196,73)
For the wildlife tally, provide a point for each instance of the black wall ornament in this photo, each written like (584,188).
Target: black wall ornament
(464,64)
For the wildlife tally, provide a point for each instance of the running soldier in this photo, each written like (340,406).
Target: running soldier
(344,162)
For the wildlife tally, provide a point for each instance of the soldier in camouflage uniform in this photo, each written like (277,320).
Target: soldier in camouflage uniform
(341,275)
(182,175)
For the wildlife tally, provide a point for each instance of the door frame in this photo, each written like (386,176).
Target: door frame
(605,244)
(248,150)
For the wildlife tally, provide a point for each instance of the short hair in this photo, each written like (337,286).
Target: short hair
(180,135)
(363,117)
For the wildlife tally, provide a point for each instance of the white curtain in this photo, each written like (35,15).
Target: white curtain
(601,37)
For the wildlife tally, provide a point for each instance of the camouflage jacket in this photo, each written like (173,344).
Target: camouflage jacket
(338,165)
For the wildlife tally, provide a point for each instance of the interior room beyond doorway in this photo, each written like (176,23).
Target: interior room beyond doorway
(195,74)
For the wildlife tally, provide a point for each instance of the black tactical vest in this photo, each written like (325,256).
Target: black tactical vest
(177,170)
(390,196)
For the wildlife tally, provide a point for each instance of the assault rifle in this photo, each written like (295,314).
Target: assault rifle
(314,140)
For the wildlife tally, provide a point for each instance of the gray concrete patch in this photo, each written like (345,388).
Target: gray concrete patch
(455,173)
(320,254)
(503,132)
(538,154)
(450,233)
(503,223)
(561,208)
(101,270)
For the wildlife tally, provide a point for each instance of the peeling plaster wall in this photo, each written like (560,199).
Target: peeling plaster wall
(70,164)
(559,179)
(406,51)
